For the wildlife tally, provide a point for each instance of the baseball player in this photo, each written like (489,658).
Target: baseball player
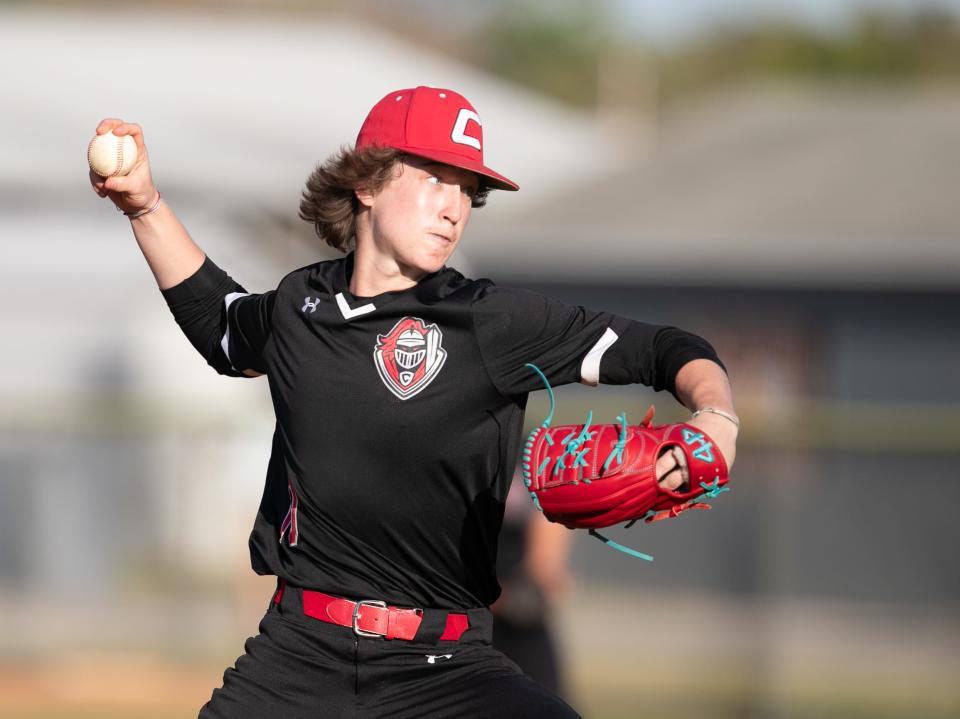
(399,387)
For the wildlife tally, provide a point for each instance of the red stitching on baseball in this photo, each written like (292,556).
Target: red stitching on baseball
(119,156)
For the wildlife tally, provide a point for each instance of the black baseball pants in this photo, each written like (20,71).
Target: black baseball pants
(298,667)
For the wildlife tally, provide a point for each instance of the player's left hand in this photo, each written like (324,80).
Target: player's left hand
(672,466)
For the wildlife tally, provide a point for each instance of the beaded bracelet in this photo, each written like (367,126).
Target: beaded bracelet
(145,212)
(714,410)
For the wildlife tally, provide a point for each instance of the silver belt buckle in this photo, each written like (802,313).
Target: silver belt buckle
(356,618)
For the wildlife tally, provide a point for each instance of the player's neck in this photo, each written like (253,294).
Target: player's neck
(375,274)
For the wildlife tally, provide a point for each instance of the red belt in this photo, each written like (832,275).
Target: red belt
(371,617)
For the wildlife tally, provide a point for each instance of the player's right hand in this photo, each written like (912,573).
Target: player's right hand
(132,192)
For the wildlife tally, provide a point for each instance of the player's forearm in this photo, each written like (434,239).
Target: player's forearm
(167,246)
(703,383)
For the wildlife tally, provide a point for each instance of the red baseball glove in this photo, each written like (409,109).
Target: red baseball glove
(594,476)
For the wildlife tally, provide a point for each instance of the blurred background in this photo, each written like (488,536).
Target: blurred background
(778,176)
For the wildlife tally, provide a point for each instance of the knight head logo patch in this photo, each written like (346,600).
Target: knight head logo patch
(409,356)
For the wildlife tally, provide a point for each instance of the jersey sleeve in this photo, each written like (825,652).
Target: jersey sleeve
(227,325)
(575,344)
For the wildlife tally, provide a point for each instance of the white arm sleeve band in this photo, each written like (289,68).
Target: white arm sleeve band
(225,342)
(590,367)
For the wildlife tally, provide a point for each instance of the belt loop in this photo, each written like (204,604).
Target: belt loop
(432,625)
(481,626)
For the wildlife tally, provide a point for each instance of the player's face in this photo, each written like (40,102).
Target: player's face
(418,218)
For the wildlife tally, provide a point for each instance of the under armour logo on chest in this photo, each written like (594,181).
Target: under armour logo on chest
(309,304)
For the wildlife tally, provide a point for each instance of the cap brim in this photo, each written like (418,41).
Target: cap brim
(492,179)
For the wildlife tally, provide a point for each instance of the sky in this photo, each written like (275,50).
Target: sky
(677,19)
(667,21)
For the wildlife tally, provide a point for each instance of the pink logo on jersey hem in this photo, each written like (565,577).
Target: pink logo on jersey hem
(410,356)
(289,525)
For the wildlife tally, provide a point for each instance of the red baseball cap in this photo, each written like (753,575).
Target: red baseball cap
(433,123)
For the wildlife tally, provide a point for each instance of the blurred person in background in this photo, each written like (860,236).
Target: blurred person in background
(399,388)
(533,567)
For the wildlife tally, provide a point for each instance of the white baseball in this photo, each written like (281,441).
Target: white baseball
(110,155)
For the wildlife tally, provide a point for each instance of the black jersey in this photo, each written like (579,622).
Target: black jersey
(399,417)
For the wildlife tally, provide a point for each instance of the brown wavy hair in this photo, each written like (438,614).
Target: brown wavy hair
(330,202)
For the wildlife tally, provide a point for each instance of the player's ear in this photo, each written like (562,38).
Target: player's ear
(364,196)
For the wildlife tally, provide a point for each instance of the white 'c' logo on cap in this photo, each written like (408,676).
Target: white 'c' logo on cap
(459,136)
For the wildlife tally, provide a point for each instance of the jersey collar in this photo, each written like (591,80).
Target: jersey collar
(351,306)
